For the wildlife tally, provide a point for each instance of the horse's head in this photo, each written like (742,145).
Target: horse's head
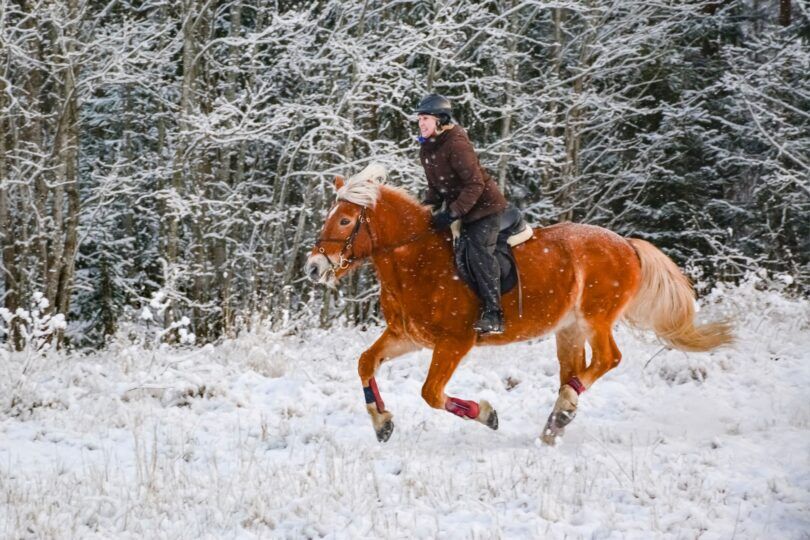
(346,237)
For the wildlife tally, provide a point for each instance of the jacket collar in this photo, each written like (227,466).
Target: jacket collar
(435,142)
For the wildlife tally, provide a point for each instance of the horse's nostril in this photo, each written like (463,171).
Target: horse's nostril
(312,271)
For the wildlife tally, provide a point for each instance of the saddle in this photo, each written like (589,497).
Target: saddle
(513,231)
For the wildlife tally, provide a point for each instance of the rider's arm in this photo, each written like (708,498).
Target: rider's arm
(465,164)
(432,198)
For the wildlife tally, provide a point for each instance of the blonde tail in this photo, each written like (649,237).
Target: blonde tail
(665,303)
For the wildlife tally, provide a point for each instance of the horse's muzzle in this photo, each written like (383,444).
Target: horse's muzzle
(318,269)
(312,269)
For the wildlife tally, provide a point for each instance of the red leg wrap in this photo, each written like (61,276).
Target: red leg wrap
(377,399)
(576,384)
(461,407)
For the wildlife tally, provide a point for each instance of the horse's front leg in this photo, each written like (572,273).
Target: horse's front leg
(388,345)
(446,357)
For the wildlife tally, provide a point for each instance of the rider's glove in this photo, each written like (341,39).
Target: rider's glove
(442,220)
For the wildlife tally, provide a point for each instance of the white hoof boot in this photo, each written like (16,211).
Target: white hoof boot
(565,409)
(382,421)
(487,415)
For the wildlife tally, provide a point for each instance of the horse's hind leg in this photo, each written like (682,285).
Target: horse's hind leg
(446,357)
(388,345)
(570,352)
(571,355)
(605,357)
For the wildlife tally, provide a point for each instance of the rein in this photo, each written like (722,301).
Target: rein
(344,262)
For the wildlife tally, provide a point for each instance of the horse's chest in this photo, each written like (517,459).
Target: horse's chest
(400,316)
(391,309)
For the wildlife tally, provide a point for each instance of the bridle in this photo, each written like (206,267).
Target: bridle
(344,262)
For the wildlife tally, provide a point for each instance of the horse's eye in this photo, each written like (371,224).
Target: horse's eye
(344,221)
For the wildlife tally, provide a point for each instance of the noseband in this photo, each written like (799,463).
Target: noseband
(343,263)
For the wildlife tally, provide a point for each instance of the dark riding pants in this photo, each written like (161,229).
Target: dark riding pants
(480,238)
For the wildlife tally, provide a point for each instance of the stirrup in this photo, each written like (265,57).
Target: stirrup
(491,322)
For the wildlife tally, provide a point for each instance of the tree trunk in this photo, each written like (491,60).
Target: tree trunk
(573,132)
(548,171)
(203,291)
(34,228)
(506,126)
(179,163)
(784,12)
(7,239)
(289,270)
(222,277)
(70,138)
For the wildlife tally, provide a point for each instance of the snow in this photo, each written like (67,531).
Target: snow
(267,436)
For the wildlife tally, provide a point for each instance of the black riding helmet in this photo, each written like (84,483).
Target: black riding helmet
(438,106)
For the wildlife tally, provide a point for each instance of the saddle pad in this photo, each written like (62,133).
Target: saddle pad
(518,238)
(513,227)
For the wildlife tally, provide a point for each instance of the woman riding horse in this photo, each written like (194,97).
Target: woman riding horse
(580,281)
(457,181)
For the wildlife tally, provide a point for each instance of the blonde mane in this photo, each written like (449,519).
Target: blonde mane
(364,187)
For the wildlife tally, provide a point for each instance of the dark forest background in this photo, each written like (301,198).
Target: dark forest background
(167,164)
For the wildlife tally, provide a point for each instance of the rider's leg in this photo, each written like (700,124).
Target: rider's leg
(481,237)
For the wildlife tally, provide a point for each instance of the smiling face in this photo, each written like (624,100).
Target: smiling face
(428,125)
(329,259)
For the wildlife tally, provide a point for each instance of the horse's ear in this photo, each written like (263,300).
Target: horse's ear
(339,182)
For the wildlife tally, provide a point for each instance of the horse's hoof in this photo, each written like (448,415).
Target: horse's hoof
(384,433)
(555,426)
(549,436)
(492,421)
(487,415)
(562,418)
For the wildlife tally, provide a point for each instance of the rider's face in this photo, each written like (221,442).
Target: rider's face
(427,125)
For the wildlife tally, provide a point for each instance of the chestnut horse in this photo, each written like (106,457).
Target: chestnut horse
(577,281)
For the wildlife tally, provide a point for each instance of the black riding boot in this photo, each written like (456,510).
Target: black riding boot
(481,237)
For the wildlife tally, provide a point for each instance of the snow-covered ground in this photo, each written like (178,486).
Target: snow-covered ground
(267,436)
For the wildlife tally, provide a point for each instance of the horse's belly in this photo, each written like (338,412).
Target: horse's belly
(547,293)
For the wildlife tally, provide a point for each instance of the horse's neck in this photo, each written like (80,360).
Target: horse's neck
(399,221)
(403,235)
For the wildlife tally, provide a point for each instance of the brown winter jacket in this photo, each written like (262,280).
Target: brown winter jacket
(455,175)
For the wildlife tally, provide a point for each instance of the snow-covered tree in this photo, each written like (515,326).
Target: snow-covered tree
(187,149)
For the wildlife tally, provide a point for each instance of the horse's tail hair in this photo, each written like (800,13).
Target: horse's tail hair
(665,303)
